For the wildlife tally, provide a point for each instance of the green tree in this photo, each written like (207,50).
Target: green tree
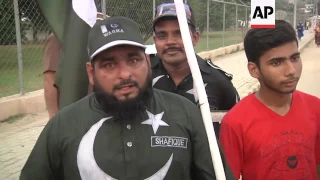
(29,10)
(7,23)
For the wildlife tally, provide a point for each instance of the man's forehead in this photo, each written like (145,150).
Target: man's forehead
(167,25)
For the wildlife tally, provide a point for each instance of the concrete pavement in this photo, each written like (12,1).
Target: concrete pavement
(309,81)
(18,138)
(16,141)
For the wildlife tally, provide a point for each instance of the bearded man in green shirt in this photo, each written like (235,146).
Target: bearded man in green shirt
(126,129)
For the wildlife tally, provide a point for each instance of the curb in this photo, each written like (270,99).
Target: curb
(303,46)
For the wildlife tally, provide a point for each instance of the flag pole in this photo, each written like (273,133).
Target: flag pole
(200,89)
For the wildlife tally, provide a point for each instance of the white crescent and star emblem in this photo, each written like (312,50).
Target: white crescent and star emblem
(88,166)
(193,91)
(155,121)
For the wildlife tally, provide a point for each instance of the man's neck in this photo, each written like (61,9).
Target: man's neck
(278,102)
(178,72)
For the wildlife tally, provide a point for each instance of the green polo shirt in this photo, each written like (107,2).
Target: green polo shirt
(82,142)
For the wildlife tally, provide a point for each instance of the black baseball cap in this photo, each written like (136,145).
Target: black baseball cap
(113,31)
(169,10)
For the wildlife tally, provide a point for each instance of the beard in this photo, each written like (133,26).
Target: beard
(129,108)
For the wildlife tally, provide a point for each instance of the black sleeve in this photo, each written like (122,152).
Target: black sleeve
(202,166)
(44,162)
(230,95)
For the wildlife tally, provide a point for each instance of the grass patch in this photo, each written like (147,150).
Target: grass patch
(14,118)
(9,69)
(33,64)
(216,40)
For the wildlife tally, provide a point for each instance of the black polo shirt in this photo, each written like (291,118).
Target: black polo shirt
(167,141)
(220,91)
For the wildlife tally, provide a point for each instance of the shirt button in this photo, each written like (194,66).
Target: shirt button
(128,126)
(129,144)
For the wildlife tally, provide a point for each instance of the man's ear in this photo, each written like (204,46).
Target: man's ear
(90,72)
(195,37)
(148,60)
(253,70)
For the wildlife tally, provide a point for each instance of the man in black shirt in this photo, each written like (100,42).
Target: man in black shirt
(125,129)
(170,69)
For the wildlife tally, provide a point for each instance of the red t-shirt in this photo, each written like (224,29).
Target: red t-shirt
(259,144)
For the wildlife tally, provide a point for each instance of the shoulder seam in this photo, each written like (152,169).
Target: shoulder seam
(218,68)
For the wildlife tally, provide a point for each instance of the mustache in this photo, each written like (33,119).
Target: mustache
(290,80)
(171,48)
(125,83)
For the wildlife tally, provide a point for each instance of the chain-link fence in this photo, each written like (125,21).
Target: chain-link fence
(23,33)
(301,16)
(221,23)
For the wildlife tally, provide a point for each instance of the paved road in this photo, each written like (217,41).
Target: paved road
(18,138)
(310,78)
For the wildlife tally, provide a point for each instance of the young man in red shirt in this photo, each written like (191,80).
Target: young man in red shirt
(273,134)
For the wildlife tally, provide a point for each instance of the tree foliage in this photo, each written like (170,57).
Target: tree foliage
(7,23)
(140,11)
(29,11)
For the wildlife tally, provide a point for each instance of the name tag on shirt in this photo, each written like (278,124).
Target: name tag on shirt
(169,141)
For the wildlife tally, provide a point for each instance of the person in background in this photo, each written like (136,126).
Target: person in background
(317,34)
(307,25)
(170,68)
(51,58)
(300,30)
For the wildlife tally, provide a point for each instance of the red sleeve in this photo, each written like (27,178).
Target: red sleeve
(318,137)
(316,108)
(318,148)
(232,145)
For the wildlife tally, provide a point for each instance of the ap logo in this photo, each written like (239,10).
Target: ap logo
(262,13)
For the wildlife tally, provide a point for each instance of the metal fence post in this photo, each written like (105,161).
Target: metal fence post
(19,47)
(247,23)
(153,9)
(224,23)
(237,23)
(104,8)
(208,13)
(295,15)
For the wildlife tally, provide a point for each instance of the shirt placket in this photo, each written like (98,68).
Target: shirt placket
(130,149)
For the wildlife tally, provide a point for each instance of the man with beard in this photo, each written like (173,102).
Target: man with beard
(125,129)
(170,68)
(275,132)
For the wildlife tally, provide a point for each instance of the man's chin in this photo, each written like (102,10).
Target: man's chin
(288,91)
(173,60)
